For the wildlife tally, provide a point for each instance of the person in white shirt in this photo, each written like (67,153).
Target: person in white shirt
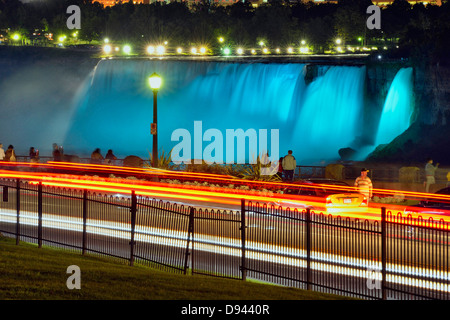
(2,152)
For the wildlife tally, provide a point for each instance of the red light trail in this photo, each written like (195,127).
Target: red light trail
(204,194)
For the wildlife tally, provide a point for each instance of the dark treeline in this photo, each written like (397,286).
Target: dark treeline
(419,31)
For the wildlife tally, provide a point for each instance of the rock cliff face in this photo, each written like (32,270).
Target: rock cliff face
(432,88)
(429,135)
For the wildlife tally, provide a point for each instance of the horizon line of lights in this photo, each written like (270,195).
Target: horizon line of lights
(161,50)
(326,262)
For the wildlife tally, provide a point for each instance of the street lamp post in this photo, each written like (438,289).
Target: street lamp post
(155,84)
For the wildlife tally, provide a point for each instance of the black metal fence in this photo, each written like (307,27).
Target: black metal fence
(396,257)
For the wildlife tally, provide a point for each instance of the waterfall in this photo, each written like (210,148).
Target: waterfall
(331,112)
(117,111)
(398,107)
(113,107)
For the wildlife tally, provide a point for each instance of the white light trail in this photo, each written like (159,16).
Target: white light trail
(289,256)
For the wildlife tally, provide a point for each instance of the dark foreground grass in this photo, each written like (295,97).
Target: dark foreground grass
(31,273)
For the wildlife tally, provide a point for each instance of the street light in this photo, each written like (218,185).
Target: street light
(155,83)
(16,37)
(127,49)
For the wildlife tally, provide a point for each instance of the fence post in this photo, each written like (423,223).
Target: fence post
(40,214)
(243,236)
(83,249)
(383,252)
(308,248)
(5,193)
(190,234)
(18,211)
(133,210)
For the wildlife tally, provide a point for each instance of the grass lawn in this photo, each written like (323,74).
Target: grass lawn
(30,273)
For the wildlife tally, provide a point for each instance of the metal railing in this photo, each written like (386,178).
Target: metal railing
(396,257)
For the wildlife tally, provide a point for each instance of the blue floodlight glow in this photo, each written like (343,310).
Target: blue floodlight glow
(315,120)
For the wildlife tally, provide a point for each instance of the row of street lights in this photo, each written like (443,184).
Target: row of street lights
(161,49)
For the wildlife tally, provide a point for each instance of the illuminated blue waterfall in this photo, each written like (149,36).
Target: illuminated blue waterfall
(315,120)
(398,107)
(331,112)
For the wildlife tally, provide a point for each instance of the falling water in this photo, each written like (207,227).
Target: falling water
(113,106)
(398,107)
(314,120)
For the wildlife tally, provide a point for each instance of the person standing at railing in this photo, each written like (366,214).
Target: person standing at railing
(96,156)
(280,168)
(110,157)
(363,184)
(430,171)
(289,164)
(34,155)
(2,152)
(57,152)
(10,154)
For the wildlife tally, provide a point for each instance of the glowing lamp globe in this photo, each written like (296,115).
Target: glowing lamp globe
(155,81)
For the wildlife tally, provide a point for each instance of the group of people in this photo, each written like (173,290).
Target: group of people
(287,165)
(57,154)
(363,183)
(96,157)
(286,169)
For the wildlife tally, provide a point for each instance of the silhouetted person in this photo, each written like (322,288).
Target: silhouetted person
(96,156)
(57,156)
(10,154)
(280,168)
(110,157)
(34,155)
